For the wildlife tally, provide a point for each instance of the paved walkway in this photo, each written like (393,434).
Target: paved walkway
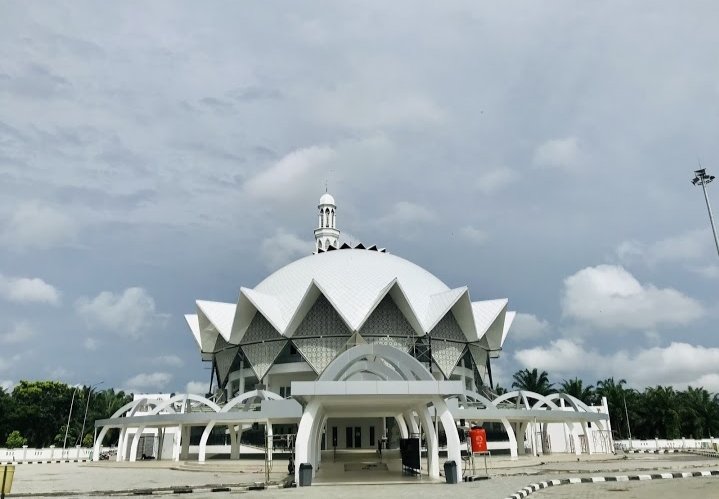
(83,480)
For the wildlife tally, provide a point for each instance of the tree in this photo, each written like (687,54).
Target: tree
(616,396)
(15,440)
(575,388)
(532,381)
(40,408)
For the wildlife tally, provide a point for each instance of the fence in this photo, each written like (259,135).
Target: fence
(48,454)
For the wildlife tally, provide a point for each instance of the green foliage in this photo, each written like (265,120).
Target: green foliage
(39,411)
(575,387)
(15,440)
(532,381)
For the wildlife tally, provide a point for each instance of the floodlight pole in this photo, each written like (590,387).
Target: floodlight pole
(701,177)
(67,427)
(87,406)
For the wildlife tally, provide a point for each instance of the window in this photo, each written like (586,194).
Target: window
(285,392)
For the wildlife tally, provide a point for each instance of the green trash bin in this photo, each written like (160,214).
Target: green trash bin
(450,471)
(6,475)
(305,475)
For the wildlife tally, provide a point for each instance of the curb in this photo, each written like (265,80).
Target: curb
(524,492)
(47,462)
(653,451)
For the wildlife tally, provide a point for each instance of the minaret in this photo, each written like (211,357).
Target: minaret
(326,233)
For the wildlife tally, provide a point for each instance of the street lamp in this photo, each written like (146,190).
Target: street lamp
(702,178)
(67,427)
(87,405)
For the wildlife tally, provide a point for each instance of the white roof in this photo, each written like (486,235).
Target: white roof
(354,281)
(327,199)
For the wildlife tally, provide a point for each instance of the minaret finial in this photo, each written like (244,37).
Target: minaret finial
(326,233)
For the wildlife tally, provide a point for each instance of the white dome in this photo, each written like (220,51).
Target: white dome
(354,277)
(327,199)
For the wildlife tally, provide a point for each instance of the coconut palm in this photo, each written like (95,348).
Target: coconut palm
(575,387)
(532,381)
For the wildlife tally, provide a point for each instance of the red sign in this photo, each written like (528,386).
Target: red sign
(478,438)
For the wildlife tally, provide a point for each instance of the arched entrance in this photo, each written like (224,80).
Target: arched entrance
(377,380)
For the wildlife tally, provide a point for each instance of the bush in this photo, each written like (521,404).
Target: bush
(15,440)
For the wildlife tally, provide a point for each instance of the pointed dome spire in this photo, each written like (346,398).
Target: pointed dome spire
(326,233)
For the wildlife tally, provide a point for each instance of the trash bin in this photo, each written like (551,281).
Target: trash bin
(6,475)
(305,475)
(450,471)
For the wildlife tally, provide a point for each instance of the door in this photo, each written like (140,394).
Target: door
(358,437)
(348,437)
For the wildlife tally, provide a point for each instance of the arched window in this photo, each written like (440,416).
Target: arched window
(327,217)
(332,223)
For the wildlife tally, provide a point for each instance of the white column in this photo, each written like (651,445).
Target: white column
(135,443)
(404,433)
(234,442)
(120,445)
(185,443)
(270,441)
(512,439)
(454,446)
(203,441)
(432,443)
(303,443)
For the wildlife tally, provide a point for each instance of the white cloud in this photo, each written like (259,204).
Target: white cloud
(28,290)
(59,373)
(197,387)
(706,271)
(526,326)
(609,297)
(148,381)
(282,248)
(33,225)
(495,180)
(90,344)
(19,333)
(689,246)
(281,179)
(129,313)
(405,212)
(169,360)
(474,235)
(558,153)
(678,364)
(7,385)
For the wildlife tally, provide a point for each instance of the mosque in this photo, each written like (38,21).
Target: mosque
(346,349)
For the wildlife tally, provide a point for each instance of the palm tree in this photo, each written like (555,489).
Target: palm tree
(575,388)
(616,395)
(532,381)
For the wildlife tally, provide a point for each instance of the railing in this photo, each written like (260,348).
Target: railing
(25,454)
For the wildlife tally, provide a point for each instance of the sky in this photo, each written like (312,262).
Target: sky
(156,153)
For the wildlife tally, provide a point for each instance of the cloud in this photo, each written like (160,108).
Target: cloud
(558,153)
(19,333)
(610,298)
(197,387)
(148,381)
(90,344)
(35,226)
(527,326)
(706,271)
(7,385)
(495,180)
(281,179)
(28,290)
(405,213)
(678,364)
(474,235)
(689,246)
(282,248)
(130,313)
(169,360)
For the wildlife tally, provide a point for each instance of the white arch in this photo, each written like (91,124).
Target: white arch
(245,397)
(373,367)
(185,397)
(406,366)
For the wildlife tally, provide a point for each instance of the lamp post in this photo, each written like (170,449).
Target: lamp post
(69,414)
(87,405)
(702,178)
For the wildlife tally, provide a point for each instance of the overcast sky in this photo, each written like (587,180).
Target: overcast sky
(155,153)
